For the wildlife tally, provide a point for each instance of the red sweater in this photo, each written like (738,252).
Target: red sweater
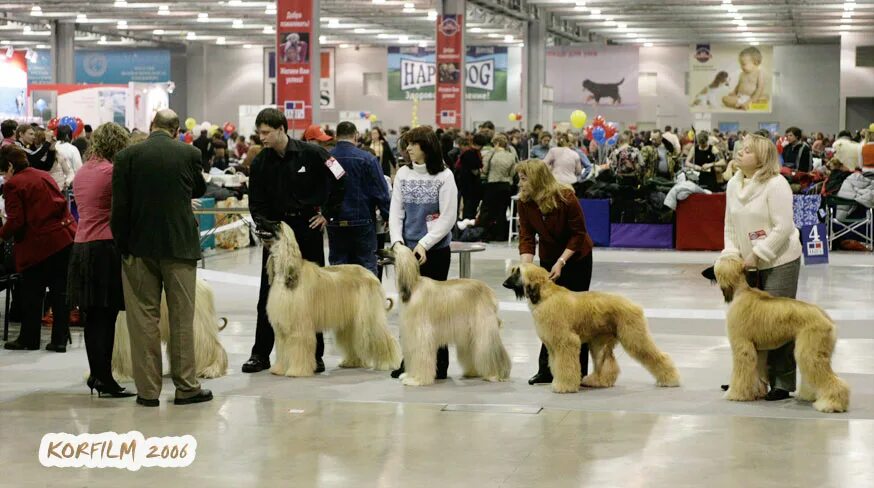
(563,228)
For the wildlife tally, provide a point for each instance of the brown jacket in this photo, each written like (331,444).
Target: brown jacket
(563,228)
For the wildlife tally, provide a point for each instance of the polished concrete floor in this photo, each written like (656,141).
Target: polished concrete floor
(361,428)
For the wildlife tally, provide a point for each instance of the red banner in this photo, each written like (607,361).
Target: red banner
(450,69)
(294,32)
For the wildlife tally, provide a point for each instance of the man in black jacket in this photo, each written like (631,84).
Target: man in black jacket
(299,184)
(796,154)
(155,231)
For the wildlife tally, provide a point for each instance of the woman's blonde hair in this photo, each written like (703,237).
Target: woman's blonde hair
(107,140)
(766,155)
(500,140)
(542,188)
(625,137)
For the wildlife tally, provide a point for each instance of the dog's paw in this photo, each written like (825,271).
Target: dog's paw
(806,394)
(470,374)
(559,388)
(669,382)
(351,363)
(594,381)
(411,381)
(495,379)
(826,405)
(734,396)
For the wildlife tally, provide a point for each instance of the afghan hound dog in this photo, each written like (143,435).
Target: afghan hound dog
(565,320)
(305,298)
(758,322)
(210,358)
(462,312)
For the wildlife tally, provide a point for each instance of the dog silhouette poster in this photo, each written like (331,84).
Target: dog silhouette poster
(726,78)
(594,75)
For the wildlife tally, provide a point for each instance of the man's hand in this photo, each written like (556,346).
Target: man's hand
(318,222)
(196,204)
(555,273)
(420,252)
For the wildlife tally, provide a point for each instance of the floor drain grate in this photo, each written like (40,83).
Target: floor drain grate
(515,409)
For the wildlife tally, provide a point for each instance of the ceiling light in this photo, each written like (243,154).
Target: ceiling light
(42,46)
(270,10)
(849,6)
(333,23)
(102,39)
(844,27)
(423,43)
(122,24)
(345,46)
(754,43)
(494,35)
(269,30)
(247,46)
(581,4)
(432,15)
(158,32)
(476,30)
(409,5)
(191,36)
(235,3)
(238,24)
(323,39)
(81,18)
(647,44)
(580,8)
(738,17)
(847,14)
(621,26)
(202,17)
(26,29)
(360,31)
(726,1)
(36,11)
(731,9)
(220,41)
(378,2)
(163,10)
(403,38)
(640,41)
(383,36)
(10,51)
(120,3)
(596,12)
(508,38)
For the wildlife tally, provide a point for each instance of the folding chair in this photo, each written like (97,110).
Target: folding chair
(857,227)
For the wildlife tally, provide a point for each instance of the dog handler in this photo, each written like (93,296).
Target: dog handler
(299,184)
(550,211)
(759,228)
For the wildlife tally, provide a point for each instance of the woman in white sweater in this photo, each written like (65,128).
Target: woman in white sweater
(424,207)
(759,228)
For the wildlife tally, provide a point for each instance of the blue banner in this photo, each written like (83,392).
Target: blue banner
(41,70)
(120,67)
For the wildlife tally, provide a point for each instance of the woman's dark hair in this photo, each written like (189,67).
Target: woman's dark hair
(272,118)
(65,133)
(482,139)
(12,155)
(380,132)
(427,140)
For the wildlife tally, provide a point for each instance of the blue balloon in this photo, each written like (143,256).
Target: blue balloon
(41,104)
(361,114)
(69,122)
(612,141)
(599,134)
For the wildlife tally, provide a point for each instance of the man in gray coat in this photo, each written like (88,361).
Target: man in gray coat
(157,235)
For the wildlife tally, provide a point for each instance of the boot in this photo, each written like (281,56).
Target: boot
(544,375)
(442,363)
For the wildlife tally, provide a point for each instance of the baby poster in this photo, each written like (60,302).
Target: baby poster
(731,78)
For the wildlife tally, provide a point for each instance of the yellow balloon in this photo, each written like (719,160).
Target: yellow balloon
(691,134)
(871,127)
(578,119)
(511,117)
(373,118)
(214,129)
(190,123)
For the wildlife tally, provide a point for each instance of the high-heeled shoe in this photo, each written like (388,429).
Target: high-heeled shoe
(108,391)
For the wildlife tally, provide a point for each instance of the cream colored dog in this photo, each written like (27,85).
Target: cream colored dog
(758,322)
(565,320)
(210,358)
(305,298)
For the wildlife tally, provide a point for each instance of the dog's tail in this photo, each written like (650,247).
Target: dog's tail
(224,321)
(620,82)
(390,304)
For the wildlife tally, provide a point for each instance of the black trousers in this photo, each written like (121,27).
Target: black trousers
(312,249)
(575,276)
(496,200)
(51,273)
(380,243)
(436,267)
(99,340)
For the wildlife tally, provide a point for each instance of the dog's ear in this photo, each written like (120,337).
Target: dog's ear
(727,292)
(405,292)
(292,279)
(532,291)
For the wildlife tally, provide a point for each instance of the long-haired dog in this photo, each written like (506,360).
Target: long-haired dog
(565,320)
(305,298)
(210,358)
(758,322)
(462,312)
(708,95)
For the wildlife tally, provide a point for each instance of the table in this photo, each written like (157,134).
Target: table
(216,226)
(464,249)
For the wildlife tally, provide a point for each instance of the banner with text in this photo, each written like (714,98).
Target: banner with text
(326,80)
(593,75)
(728,78)
(114,67)
(412,72)
(450,66)
(294,30)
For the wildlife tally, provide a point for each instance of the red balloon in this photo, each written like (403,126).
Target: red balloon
(80,126)
(600,121)
(53,124)
(518,117)
(188,138)
(229,127)
(588,132)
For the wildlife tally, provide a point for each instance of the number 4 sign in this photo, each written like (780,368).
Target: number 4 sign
(814,244)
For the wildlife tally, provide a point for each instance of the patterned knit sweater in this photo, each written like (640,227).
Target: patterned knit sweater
(424,207)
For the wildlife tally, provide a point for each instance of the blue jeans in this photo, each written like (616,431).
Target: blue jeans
(353,245)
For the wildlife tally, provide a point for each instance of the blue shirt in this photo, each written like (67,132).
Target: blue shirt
(366,189)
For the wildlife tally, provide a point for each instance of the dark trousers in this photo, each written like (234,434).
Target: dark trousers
(470,204)
(312,249)
(575,276)
(380,243)
(496,201)
(99,340)
(353,245)
(51,273)
(436,267)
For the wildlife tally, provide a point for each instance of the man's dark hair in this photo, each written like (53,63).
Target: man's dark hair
(346,130)
(427,140)
(14,156)
(668,128)
(89,130)
(166,120)
(219,145)
(763,132)
(65,133)
(203,133)
(272,118)
(8,128)
(844,133)
(487,125)
(481,139)
(21,129)
(537,127)
(795,132)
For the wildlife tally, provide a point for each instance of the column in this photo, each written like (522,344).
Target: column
(449,91)
(62,46)
(298,62)
(535,72)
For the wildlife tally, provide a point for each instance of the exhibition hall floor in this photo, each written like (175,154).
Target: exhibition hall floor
(361,428)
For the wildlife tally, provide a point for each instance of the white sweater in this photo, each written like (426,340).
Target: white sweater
(424,207)
(758,219)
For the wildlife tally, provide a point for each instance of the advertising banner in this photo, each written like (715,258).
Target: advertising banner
(727,78)
(39,69)
(116,67)
(326,80)
(412,72)
(594,75)
(13,86)
(294,31)
(450,66)
(95,104)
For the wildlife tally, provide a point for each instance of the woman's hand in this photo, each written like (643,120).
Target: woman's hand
(751,262)
(555,272)
(421,254)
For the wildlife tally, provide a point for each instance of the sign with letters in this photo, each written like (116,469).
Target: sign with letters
(814,244)
(412,71)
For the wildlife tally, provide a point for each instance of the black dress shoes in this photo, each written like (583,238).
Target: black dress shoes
(17,346)
(255,364)
(776,394)
(203,396)
(540,378)
(320,366)
(56,347)
(398,372)
(724,387)
(148,403)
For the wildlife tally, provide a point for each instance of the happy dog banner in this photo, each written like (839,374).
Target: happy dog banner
(731,78)
(413,72)
(594,75)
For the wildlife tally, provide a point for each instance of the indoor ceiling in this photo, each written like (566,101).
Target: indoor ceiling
(382,22)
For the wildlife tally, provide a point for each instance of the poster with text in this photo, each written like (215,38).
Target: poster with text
(94,104)
(731,78)
(124,66)
(294,30)
(326,80)
(450,65)
(412,72)
(13,86)
(593,76)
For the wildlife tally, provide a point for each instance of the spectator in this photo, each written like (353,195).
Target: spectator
(818,147)
(8,130)
(539,151)
(61,170)
(672,138)
(564,162)
(584,158)
(202,142)
(67,150)
(94,281)
(42,227)
(39,156)
(866,152)
(659,157)
(707,160)
(625,161)
(220,159)
(469,176)
(316,135)
(382,149)
(155,232)
(796,153)
(499,168)
(848,151)
(241,148)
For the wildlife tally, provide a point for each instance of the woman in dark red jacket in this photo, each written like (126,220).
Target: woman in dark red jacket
(551,212)
(43,237)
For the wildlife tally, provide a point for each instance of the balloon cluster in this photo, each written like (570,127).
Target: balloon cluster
(369,116)
(781,143)
(514,117)
(190,123)
(74,123)
(601,131)
(228,128)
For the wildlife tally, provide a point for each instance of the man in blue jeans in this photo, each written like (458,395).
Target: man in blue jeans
(352,234)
